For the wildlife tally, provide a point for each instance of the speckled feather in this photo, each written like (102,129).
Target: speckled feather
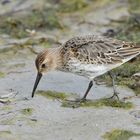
(96,51)
(99,50)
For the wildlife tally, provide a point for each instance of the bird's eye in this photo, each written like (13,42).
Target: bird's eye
(43,65)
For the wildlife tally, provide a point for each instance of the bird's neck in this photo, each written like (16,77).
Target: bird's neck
(56,57)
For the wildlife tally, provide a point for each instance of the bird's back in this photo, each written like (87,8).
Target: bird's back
(92,56)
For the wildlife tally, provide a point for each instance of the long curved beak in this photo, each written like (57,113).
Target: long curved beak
(39,75)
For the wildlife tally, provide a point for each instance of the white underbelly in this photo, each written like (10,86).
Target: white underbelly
(90,70)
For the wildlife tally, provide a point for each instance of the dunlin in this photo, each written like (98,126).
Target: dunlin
(88,56)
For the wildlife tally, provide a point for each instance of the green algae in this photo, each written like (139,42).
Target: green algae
(122,81)
(27,111)
(47,17)
(70,104)
(99,103)
(128,69)
(134,6)
(46,44)
(119,134)
(129,82)
(138,123)
(89,103)
(12,26)
(2,75)
(130,29)
(7,135)
(131,33)
(52,94)
(137,90)
(6,108)
(4,133)
(72,5)
(124,75)
(37,19)
(8,121)
(108,102)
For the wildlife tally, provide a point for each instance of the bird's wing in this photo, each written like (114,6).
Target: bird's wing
(100,50)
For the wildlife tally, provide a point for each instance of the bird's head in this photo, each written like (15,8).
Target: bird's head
(46,61)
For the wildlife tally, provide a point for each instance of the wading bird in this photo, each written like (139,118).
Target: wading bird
(89,56)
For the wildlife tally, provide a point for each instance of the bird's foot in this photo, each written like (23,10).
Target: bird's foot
(115,95)
(82,100)
(78,100)
(74,103)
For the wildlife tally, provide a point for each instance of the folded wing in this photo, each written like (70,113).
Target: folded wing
(99,50)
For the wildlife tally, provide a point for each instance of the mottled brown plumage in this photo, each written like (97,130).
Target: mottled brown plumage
(89,56)
(99,50)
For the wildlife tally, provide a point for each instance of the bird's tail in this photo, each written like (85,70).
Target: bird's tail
(129,50)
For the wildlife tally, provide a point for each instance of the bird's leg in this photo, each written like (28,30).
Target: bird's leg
(112,76)
(85,95)
(87,91)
